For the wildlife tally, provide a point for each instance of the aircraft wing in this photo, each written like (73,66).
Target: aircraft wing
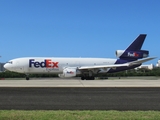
(117,65)
(102,66)
(140,61)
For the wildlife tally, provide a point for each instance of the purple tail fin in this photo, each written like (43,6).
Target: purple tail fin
(137,43)
(134,52)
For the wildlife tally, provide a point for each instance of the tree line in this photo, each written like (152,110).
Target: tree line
(132,72)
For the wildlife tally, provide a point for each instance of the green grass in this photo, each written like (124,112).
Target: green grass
(78,115)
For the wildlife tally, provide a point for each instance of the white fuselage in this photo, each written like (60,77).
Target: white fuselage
(52,64)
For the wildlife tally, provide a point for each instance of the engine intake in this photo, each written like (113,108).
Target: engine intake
(68,72)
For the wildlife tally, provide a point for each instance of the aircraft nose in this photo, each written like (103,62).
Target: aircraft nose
(7,66)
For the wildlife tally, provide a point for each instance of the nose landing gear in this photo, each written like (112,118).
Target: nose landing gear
(27,76)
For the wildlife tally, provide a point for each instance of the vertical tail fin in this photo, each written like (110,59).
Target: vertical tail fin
(134,51)
(137,43)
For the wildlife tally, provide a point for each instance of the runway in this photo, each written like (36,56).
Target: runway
(79,98)
(80,95)
(58,82)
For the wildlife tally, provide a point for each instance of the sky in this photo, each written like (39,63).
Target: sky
(77,28)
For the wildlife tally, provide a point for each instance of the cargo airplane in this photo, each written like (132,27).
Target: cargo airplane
(87,68)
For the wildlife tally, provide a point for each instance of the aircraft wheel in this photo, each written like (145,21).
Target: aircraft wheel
(27,78)
(90,78)
(82,78)
(87,78)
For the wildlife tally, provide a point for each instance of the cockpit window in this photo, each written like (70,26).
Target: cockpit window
(10,62)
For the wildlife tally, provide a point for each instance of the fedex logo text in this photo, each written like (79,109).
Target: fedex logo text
(133,54)
(70,72)
(47,63)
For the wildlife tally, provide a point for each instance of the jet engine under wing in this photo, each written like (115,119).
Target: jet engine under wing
(117,65)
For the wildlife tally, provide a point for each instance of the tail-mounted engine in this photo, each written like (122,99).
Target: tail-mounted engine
(68,72)
(132,54)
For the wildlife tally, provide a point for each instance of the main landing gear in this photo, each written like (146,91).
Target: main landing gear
(88,78)
(87,75)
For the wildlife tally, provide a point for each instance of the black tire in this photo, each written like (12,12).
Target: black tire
(90,78)
(82,78)
(27,78)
